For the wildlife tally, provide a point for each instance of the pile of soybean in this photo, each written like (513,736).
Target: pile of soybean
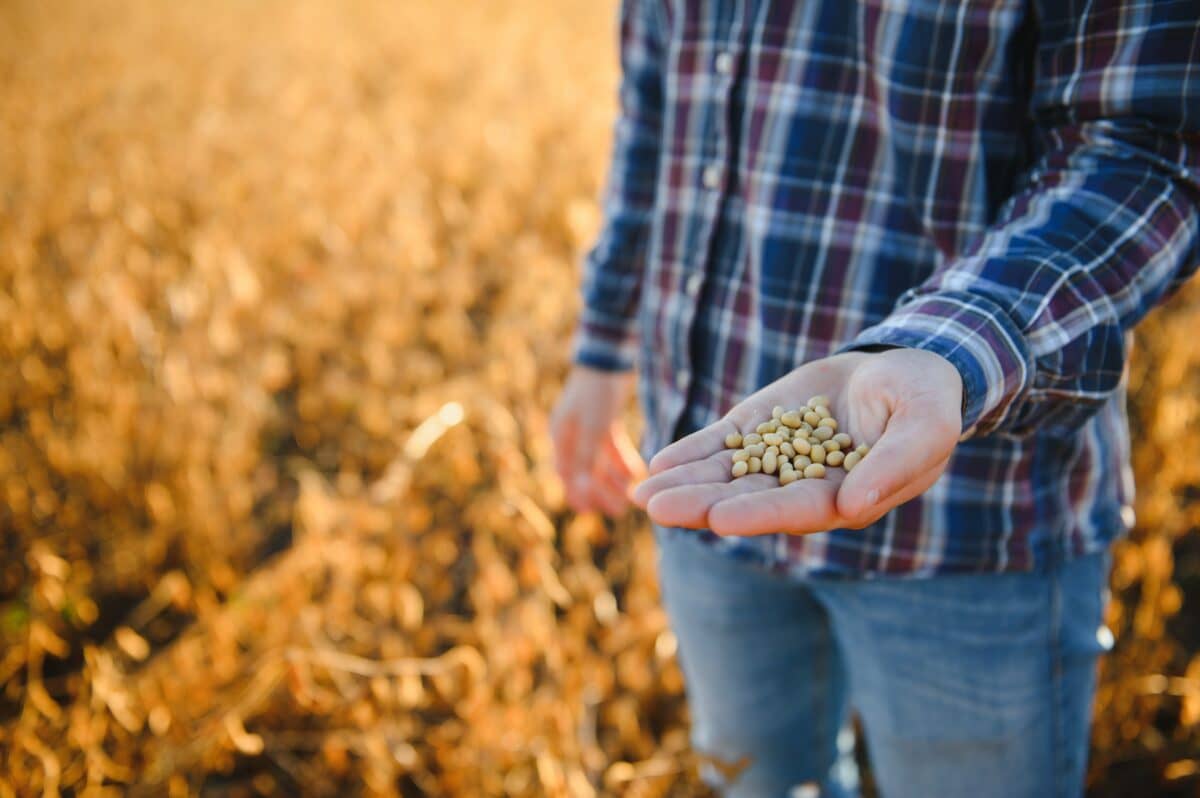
(795,444)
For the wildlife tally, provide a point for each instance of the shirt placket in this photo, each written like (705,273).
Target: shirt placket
(714,179)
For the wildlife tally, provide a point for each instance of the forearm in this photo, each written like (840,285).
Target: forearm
(1035,316)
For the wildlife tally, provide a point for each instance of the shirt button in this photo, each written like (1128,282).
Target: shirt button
(692,285)
(711,176)
(724,63)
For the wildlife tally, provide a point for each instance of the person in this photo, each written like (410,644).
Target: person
(946,217)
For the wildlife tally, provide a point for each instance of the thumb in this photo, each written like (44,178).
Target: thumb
(915,442)
(625,454)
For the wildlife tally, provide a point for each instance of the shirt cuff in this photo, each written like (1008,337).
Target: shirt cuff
(978,338)
(604,342)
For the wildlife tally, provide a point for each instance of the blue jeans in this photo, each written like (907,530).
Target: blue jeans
(974,685)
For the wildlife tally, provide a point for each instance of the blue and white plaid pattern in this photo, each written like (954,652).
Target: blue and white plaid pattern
(1011,184)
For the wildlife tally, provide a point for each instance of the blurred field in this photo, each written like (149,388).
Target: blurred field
(287,288)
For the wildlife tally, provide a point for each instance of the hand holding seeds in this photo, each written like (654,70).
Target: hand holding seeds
(813,472)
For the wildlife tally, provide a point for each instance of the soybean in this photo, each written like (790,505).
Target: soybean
(795,444)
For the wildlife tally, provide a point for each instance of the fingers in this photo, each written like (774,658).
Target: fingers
(697,446)
(714,468)
(688,505)
(799,508)
(574,455)
(915,444)
(565,437)
(701,494)
(624,455)
(608,488)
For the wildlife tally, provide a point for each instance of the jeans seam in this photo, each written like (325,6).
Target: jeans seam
(1057,725)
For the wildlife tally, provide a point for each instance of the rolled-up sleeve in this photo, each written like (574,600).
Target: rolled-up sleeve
(1103,227)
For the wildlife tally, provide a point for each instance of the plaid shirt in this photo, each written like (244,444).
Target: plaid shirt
(1011,184)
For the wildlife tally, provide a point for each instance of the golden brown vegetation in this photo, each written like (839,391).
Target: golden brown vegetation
(286,288)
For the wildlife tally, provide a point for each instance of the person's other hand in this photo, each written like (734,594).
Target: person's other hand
(593,453)
(905,403)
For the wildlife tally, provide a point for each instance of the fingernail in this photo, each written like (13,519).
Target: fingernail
(873,496)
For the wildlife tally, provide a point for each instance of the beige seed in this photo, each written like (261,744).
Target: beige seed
(811,418)
(785,433)
(801,446)
(741,456)
(769,463)
(814,440)
(787,449)
(820,400)
(751,438)
(814,471)
(733,440)
(829,423)
(792,419)
(822,411)
(772,439)
(832,445)
(862,450)
(740,468)
(776,412)
(822,434)
(817,455)
(763,428)
(834,459)
(772,450)
(755,465)
(852,459)
(843,440)
(801,462)
(788,477)
(757,449)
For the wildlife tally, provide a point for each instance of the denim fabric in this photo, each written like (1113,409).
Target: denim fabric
(966,685)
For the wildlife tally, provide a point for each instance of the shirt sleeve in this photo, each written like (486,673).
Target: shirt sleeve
(1103,226)
(612,270)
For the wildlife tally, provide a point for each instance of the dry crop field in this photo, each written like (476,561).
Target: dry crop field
(285,290)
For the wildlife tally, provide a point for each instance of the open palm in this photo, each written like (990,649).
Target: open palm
(905,403)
